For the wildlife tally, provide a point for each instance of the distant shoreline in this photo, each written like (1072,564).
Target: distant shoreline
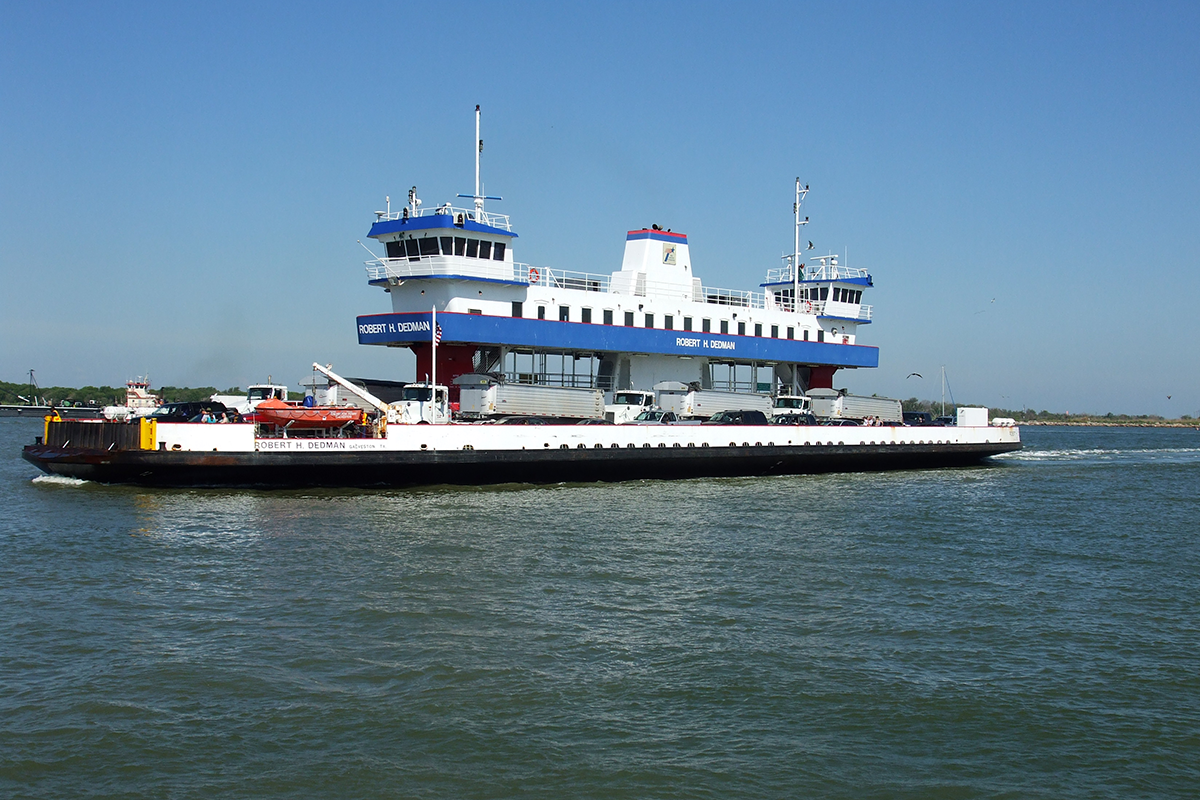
(1105,424)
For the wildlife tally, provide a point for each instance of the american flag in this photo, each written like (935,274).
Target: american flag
(437,335)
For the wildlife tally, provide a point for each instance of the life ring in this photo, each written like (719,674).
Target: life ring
(534,275)
(808,306)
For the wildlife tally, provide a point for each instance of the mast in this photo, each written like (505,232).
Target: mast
(478,150)
(800,194)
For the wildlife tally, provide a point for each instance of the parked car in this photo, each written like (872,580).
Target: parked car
(918,418)
(190,412)
(748,417)
(841,423)
(655,417)
(794,419)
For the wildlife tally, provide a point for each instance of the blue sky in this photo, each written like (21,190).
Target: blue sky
(182,187)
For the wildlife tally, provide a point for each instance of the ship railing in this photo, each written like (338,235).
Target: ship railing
(804,307)
(485,217)
(433,266)
(561,278)
(566,379)
(738,298)
(816,272)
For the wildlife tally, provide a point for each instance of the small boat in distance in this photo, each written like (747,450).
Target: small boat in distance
(288,415)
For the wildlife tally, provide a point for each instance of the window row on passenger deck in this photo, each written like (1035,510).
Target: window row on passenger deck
(446,246)
(585,316)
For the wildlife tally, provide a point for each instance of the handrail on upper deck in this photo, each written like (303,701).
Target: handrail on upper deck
(487,217)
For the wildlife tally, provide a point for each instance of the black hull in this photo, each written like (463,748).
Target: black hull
(481,467)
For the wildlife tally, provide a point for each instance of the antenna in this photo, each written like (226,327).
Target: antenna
(800,195)
(478,198)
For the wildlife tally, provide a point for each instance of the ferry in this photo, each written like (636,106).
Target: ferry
(566,353)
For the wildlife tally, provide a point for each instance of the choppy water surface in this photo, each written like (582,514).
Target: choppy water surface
(1028,629)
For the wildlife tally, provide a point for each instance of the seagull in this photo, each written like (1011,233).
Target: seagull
(922,377)
(1168,397)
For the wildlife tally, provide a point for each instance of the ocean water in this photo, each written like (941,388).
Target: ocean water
(1026,629)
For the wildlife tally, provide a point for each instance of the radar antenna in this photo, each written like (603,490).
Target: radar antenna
(477,197)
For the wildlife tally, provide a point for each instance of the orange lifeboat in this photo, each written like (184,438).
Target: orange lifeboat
(277,412)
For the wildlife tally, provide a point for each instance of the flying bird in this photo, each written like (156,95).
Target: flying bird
(919,375)
(1168,397)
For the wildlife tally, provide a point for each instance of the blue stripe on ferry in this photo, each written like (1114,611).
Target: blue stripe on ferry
(579,336)
(867,281)
(658,236)
(434,222)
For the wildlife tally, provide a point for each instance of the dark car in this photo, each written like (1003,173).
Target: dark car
(794,419)
(190,412)
(737,418)
(917,418)
(842,423)
(521,421)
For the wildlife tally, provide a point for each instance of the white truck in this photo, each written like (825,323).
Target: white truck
(791,405)
(627,404)
(691,403)
(484,397)
(833,404)
(420,403)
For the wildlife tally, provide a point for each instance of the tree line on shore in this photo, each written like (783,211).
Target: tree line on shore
(24,394)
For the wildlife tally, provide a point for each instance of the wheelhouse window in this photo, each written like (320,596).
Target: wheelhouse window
(669,322)
(395,249)
(413,249)
(585,315)
(485,249)
(628,319)
(608,316)
(824,292)
(472,248)
(460,246)
(447,245)
(498,251)
(428,246)
(564,313)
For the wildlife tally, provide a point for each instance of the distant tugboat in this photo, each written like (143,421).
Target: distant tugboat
(512,342)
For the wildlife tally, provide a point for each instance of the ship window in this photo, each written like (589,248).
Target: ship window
(706,325)
(724,326)
(564,313)
(824,292)
(447,245)
(608,316)
(649,320)
(541,312)
(858,296)
(687,323)
(477,311)
(518,309)
(837,294)
(485,249)
(806,334)
(628,319)
(428,246)
(820,335)
(585,315)
(414,249)
(472,248)
(395,249)
(774,331)
(791,333)
(669,322)
(498,251)
(460,246)
(741,329)
(758,329)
